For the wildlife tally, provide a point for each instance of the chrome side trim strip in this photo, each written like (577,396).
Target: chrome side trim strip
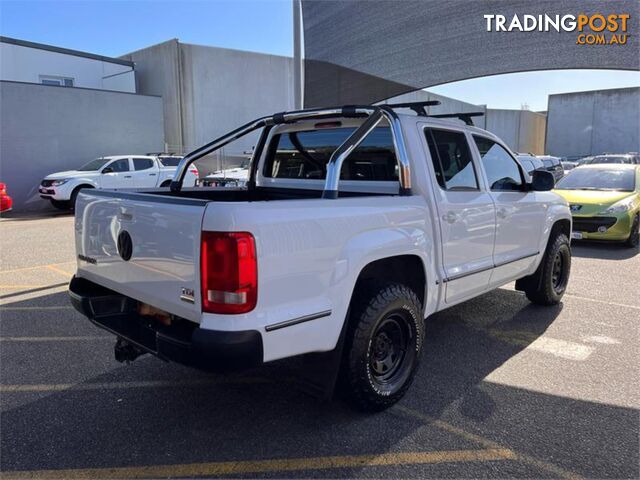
(495,265)
(295,321)
(516,260)
(467,274)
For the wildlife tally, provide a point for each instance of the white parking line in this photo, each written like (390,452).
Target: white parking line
(604,302)
(562,348)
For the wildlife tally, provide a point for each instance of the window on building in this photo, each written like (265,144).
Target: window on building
(57,81)
(502,170)
(306,154)
(451,159)
(142,163)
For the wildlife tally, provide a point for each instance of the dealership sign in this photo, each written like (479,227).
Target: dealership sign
(596,29)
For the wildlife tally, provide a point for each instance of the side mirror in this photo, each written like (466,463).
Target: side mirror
(542,181)
(107,170)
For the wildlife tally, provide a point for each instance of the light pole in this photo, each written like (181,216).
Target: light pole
(297,55)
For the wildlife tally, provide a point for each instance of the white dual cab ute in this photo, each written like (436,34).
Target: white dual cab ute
(114,172)
(356,224)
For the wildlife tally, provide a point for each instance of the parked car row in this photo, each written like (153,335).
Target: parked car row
(113,172)
(560,166)
(549,163)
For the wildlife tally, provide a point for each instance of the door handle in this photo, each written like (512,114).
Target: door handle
(127,176)
(450,217)
(152,174)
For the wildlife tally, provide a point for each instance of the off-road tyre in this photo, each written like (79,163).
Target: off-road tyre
(634,238)
(74,197)
(549,283)
(383,345)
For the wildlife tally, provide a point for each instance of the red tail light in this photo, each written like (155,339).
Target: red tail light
(229,272)
(194,170)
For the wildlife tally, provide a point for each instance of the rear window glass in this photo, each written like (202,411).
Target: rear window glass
(170,161)
(305,154)
(611,159)
(142,163)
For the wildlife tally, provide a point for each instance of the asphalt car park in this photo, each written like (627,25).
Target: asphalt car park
(505,389)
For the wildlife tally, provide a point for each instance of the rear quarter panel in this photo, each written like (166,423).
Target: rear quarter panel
(310,253)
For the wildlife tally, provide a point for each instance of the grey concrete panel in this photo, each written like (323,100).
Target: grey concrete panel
(522,130)
(46,129)
(208,91)
(158,73)
(591,123)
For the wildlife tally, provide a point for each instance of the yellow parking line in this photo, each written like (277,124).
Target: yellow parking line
(273,465)
(59,270)
(489,444)
(58,387)
(55,339)
(18,287)
(4,308)
(35,267)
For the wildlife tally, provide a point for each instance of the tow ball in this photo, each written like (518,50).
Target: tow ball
(126,352)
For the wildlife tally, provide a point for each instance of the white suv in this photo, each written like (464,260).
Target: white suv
(114,172)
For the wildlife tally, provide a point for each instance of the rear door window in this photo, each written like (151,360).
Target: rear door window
(451,159)
(142,163)
(305,154)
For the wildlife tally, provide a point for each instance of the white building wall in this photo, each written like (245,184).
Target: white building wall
(25,64)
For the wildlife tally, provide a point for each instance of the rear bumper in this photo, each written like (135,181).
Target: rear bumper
(183,341)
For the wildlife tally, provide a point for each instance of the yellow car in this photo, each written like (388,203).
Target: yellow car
(604,201)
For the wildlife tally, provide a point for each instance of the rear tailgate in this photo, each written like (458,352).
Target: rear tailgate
(144,246)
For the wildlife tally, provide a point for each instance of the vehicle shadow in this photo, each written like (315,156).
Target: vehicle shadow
(601,250)
(258,415)
(12,216)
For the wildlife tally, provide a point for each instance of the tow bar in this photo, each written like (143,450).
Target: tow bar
(126,352)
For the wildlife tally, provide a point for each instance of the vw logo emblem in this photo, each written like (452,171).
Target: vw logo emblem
(575,208)
(125,245)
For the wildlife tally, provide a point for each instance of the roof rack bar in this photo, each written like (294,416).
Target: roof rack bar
(418,107)
(464,116)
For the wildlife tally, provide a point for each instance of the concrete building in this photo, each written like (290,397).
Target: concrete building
(594,122)
(208,91)
(47,129)
(60,108)
(521,130)
(22,61)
